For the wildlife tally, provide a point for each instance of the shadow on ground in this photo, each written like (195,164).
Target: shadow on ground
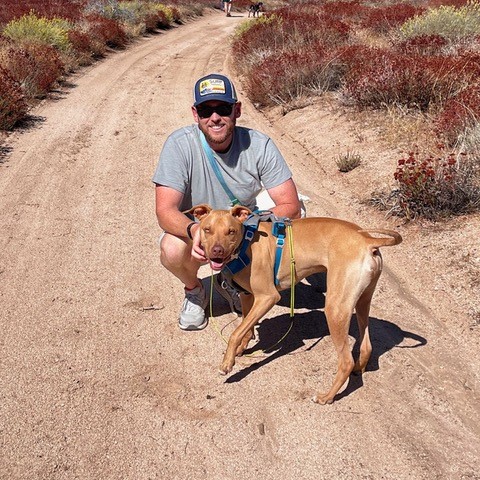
(310,325)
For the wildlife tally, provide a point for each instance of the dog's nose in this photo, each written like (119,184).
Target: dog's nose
(218,251)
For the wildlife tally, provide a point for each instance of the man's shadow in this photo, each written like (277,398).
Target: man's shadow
(310,325)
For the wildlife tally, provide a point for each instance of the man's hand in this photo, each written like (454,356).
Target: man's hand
(197,249)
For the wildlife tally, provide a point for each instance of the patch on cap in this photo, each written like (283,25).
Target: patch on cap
(212,86)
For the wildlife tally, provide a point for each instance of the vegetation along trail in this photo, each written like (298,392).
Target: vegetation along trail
(98,382)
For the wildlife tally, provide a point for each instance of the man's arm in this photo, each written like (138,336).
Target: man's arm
(285,197)
(170,218)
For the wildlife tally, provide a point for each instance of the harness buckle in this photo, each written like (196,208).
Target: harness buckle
(249,234)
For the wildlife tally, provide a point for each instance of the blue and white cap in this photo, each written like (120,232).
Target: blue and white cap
(214,87)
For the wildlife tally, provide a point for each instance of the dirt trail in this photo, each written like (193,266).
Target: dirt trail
(97,384)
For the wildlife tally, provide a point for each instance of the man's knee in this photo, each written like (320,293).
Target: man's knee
(173,250)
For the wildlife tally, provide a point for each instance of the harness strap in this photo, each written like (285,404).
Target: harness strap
(213,163)
(278,230)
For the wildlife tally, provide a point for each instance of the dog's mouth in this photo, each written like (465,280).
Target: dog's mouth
(218,263)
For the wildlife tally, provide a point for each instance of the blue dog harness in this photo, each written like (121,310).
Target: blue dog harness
(250,227)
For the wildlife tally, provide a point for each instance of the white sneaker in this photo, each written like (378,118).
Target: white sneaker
(192,316)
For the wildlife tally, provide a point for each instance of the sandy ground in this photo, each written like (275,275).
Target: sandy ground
(98,382)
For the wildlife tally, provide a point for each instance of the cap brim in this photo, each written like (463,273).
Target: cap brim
(220,98)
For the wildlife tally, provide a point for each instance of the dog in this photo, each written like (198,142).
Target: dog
(349,254)
(255,9)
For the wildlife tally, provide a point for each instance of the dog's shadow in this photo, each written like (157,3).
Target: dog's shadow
(384,335)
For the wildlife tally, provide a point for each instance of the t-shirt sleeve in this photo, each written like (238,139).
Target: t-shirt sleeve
(173,165)
(273,167)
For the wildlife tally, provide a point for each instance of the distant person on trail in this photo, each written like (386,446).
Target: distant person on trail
(248,161)
(227,5)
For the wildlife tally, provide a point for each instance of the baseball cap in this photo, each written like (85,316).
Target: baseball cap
(214,87)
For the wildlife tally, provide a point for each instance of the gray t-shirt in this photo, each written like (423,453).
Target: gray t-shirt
(252,161)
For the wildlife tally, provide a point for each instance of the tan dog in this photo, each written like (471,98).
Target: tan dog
(348,254)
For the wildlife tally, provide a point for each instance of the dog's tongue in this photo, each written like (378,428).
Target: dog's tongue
(216,265)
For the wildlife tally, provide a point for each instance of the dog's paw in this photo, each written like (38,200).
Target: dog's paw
(322,399)
(225,368)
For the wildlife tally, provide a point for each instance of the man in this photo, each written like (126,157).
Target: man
(248,161)
(227,5)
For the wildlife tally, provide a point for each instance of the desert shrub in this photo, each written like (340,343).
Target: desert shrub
(68,9)
(287,33)
(422,45)
(385,18)
(167,11)
(13,106)
(83,48)
(106,30)
(307,25)
(31,28)
(433,187)
(413,81)
(348,161)
(448,21)
(36,67)
(255,41)
(460,116)
(348,11)
(288,75)
(176,15)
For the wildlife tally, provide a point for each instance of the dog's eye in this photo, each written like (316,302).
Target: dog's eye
(232,231)
(206,229)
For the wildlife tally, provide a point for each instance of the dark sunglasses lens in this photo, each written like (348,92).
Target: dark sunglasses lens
(222,110)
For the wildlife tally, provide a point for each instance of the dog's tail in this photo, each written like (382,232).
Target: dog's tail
(392,237)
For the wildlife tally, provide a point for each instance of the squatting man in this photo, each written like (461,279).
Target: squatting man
(252,168)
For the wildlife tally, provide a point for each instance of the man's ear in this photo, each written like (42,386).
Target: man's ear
(195,114)
(240,212)
(238,109)
(200,211)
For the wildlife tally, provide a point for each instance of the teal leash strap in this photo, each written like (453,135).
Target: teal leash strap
(213,163)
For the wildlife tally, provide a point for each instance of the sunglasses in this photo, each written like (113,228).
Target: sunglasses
(224,110)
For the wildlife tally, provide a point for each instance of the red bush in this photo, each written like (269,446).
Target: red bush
(68,9)
(389,78)
(289,75)
(34,66)
(48,67)
(432,187)
(347,11)
(311,24)
(383,19)
(460,113)
(107,30)
(13,107)
(422,45)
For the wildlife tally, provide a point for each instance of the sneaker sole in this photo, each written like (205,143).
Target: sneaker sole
(192,328)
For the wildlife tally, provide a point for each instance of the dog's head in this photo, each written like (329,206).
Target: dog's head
(221,232)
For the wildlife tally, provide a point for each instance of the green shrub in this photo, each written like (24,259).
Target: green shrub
(31,28)
(448,21)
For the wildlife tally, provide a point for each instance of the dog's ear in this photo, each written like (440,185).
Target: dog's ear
(200,211)
(240,212)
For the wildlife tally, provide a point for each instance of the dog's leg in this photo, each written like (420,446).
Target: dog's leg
(338,319)
(247,303)
(362,311)
(261,305)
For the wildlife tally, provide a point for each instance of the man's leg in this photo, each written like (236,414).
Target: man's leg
(175,255)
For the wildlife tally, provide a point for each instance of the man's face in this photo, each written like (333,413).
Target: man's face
(217,120)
